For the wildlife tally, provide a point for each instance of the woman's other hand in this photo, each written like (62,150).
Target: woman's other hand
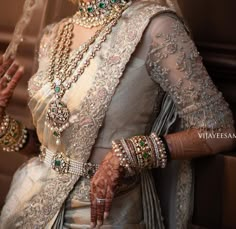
(103,187)
(10,74)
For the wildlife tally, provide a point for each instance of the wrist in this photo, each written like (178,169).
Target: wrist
(14,135)
(4,125)
(142,152)
(122,158)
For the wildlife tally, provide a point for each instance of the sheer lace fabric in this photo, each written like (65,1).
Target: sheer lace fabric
(28,9)
(174,63)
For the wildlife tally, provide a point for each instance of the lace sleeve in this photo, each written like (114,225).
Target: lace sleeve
(174,62)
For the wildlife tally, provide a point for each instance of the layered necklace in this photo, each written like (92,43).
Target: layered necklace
(61,69)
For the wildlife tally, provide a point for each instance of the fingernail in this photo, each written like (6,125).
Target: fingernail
(15,65)
(92,225)
(106,214)
(21,69)
(99,223)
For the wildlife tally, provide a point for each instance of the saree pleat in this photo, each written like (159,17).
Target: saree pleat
(59,222)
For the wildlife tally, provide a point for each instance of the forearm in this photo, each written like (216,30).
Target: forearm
(142,152)
(194,143)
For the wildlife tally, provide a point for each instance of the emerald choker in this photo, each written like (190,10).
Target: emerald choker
(99,12)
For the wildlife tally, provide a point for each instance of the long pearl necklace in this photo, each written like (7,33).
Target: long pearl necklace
(61,77)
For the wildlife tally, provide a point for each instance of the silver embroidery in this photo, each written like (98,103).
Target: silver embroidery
(81,191)
(42,207)
(198,101)
(183,195)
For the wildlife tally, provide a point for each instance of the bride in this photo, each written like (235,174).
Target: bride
(111,81)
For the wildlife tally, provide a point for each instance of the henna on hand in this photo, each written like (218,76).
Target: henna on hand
(10,74)
(103,187)
(5,65)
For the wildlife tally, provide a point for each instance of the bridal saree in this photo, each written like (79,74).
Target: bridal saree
(120,94)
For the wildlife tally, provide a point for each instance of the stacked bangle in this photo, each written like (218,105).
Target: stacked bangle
(166,148)
(123,156)
(14,135)
(143,151)
(162,157)
(140,152)
(4,125)
(120,152)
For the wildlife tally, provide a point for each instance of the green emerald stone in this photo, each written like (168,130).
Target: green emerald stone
(57,89)
(57,163)
(55,134)
(113,1)
(60,104)
(90,9)
(102,5)
(142,143)
(145,155)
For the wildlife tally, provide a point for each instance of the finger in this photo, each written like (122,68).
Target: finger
(93,206)
(12,70)
(5,65)
(108,203)
(107,208)
(100,212)
(3,103)
(15,79)
(3,83)
(100,207)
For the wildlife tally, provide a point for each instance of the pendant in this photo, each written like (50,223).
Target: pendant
(57,117)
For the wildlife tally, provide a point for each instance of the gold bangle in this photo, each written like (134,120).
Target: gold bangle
(15,137)
(4,125)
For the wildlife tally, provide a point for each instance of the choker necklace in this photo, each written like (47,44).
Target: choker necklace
(98,12)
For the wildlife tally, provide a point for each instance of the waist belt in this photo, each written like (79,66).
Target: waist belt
(63,164)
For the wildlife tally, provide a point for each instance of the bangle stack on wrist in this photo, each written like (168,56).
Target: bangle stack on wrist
(162,157)
(4,125)
(140,152)
(13,135)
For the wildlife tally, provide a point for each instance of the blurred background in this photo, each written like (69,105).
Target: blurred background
(212,24)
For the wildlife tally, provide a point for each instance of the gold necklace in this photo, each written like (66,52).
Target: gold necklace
(60,69)
(98,12)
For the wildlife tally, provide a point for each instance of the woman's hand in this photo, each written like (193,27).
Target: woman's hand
(103,187)
(10,74)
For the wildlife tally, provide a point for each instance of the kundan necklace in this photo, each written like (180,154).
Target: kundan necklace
(98,12)
(60,73)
